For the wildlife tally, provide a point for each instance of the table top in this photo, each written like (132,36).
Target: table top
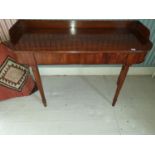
(79,36)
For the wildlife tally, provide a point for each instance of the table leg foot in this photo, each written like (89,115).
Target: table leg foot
(44,102)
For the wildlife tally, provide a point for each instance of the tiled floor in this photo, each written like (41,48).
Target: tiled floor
(82,105)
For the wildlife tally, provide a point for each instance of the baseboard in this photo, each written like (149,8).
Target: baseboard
(74,70)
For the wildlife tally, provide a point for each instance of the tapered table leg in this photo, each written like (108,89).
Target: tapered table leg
(120,74)
(120,82)
(39,83)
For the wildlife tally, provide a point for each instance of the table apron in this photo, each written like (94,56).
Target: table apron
(43,58)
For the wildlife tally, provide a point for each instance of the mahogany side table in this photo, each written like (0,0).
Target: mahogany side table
(50,42)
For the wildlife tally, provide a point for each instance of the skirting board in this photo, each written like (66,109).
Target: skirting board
(67,70)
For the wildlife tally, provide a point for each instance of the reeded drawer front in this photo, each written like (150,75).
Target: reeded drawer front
(80,58)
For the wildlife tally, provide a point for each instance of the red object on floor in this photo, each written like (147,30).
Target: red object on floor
(15,78)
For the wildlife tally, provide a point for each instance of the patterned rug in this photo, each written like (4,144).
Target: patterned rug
(15,78)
